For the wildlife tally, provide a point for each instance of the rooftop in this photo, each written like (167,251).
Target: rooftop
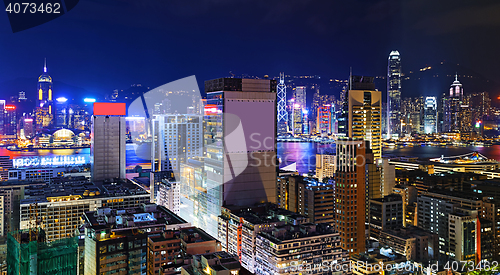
(144,216)
(288,232)
(74,188)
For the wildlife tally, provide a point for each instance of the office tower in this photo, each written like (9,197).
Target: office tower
(116,240)
(29,253)
(385,214)
(361,113)
(325,166)
(324,120)
(22,96)
(305,122)
(240,146)
(350,194)
(491,212)
(464,232)
(465,118)
(8,128)
(388,177)
(430,115)
(107,150)
(176,138)
(168,195)
(432,216)
(282,114)
(62,113)
(25,129)
(307,196)
(44,103)
(300,96)
(452,107)
(298,123)
(394,94)
(255,220)
(408,194)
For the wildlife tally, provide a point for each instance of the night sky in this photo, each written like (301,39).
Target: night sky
(104,45)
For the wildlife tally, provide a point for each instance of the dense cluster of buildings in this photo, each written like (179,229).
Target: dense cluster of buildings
(465,116)
(216,202)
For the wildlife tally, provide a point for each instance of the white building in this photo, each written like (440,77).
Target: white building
(325,166)
(169,195)
(176,138)
(430,115)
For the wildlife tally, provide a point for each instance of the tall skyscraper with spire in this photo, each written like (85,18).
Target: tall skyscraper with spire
(453,106)
(282,114)
(394,94)
(44,101)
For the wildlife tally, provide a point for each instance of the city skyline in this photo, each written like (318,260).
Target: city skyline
(121,59)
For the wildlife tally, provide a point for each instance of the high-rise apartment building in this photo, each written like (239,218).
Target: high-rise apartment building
(295,249)
(176,138)
(362,113)
(240,147)
(107,150)
(307,197)
(430,115)
(350,194)
(116,241)
(385,214)
(394,94)
(169,195)
(238,228)
(325,166)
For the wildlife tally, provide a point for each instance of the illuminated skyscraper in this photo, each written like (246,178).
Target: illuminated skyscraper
(107,150)
(9,122)
(430,115)
(361,114)
(300,96)
(44,102)
(297,119)
(394,94)
(350,194)
(324,121)
(240,146)
(62,113)
(176,138)
(452,107)
(282,114)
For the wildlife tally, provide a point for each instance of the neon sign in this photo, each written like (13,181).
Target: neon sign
(10,107)
(54,161)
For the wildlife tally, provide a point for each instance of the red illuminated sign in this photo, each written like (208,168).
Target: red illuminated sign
(210,109)
(109,109)
(10,107)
